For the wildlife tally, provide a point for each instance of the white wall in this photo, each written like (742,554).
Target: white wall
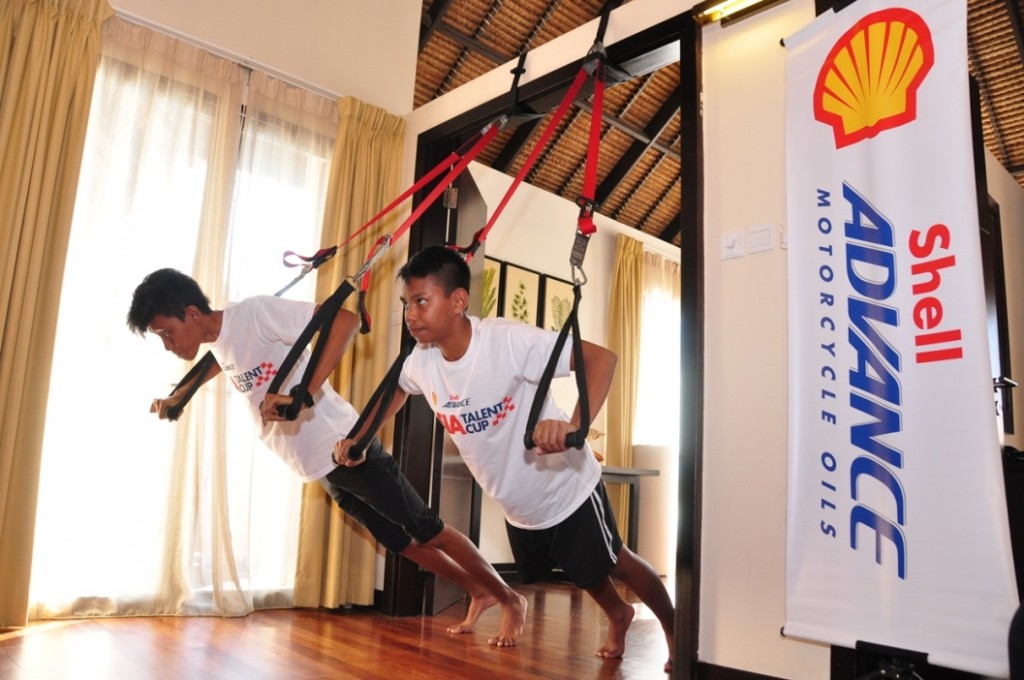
(352,48)
(743,560)
(743,573)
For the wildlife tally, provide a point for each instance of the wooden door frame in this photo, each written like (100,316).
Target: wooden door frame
(415,424)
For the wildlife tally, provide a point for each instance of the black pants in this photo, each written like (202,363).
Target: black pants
(378,496)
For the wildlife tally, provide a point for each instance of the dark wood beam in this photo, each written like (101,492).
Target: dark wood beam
(515,145)
(652,131)
(672,229)
(431,19)
(472,44)
(692,343)
(635,133)
(986,100)
(672,186)
(1017,23)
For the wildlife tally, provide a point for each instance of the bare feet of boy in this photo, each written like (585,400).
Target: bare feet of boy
(615,645)
(513,618)
(477,606)
(671,654)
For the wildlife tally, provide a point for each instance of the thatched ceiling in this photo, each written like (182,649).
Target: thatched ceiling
(638,178)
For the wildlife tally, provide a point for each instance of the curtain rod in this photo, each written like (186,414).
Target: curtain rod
(225,54)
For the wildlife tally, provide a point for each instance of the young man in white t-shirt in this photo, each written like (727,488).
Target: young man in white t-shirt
(250,340)
(480,378)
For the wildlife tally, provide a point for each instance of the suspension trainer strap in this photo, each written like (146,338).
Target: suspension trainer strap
(319,325)
(577,438)
(324,317)
(567,100)
(194,378)
(585,228)
(378,404)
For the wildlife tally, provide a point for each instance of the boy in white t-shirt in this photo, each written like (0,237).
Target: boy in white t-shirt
(480,378)
(250,340)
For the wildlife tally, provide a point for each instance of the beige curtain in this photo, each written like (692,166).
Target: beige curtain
(624,314)
(47,67)
(336,563)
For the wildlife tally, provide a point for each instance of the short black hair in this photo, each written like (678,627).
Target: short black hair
(165,292)
(442,264)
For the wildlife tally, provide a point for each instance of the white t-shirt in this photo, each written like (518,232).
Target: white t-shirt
(256,335)
(484,400)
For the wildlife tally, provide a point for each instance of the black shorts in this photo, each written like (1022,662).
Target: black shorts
(585,545)
(378,496)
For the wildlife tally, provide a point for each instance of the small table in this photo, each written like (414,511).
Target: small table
(630,476)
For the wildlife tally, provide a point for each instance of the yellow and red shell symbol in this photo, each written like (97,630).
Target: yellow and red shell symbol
(868,83)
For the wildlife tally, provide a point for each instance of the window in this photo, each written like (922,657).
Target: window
(658,387)
(193,516)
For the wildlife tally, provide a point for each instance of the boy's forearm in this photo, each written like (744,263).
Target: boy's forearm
(599,368)
(211,372)
(397,401)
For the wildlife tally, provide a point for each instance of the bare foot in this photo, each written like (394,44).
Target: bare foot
(513,619)
(671,658)
(615,645)
(477,606)
(668,666)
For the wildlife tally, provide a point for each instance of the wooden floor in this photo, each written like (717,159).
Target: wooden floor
(564,628)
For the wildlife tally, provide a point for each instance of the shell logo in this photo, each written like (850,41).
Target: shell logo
(869,80)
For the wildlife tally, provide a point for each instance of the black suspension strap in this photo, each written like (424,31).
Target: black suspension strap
(378,405)
(194,378)
(577,438)
(319,325)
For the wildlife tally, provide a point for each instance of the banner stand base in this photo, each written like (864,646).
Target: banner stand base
(872,661)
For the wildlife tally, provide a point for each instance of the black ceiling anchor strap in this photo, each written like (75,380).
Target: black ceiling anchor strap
(518,113)
(577,438)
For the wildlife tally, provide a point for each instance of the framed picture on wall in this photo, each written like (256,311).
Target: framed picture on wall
(520,294)
(556,302)
(490,288)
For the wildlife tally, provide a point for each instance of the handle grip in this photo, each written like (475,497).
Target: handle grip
(573,440)
(300,398)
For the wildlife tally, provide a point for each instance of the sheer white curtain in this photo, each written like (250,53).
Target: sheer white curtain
(657,409)
(136,515)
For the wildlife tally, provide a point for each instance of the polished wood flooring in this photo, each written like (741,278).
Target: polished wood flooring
(564,628)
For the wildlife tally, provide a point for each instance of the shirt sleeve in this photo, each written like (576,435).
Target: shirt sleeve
(406,379)
(282,320)
(532,347)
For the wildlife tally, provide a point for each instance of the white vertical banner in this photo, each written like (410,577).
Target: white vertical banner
(897,527)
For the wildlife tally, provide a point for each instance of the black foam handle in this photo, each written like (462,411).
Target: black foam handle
(300,398)
(573,440)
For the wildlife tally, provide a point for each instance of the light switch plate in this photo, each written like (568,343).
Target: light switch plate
(759,238)
(733,245)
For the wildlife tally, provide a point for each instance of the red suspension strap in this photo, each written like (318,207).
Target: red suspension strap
(456,163)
